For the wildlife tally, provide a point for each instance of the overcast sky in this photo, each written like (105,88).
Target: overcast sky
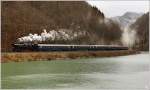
(118,8)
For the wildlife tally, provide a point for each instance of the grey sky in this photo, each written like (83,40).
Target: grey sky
(118,8)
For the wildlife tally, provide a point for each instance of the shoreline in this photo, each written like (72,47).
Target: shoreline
(48,56)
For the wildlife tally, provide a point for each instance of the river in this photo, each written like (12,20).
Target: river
(116,73)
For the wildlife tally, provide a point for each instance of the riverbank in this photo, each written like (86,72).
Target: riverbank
(37,56)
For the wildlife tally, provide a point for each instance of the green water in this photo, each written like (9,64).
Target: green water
(126,72)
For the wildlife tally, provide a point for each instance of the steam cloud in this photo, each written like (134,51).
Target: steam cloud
(128,37)
(49,36)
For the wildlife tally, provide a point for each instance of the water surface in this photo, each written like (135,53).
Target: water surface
(118,73)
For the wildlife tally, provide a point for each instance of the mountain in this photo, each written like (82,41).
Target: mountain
(76,21)
(127,19)
(141,26)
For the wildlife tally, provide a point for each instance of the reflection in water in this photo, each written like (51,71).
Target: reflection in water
(126,72)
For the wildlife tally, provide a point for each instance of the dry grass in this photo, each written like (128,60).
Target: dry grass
(36,56)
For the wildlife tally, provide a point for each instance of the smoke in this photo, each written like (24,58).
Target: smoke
(52,35)
(129,37)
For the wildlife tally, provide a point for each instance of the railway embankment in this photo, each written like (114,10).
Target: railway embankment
(38,56)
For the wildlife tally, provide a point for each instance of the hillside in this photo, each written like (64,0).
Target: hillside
(141,26)
(22,18)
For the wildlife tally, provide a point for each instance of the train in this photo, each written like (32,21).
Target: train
(65,47)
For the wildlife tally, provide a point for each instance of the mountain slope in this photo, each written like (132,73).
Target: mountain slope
(141,26)
(21,18)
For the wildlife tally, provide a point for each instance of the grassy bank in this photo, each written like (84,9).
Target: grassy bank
(36,56)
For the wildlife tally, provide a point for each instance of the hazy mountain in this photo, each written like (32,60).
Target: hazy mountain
(77,19)
(127,19)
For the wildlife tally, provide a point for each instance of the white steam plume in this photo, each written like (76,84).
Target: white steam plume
(50,36)
(129,37)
